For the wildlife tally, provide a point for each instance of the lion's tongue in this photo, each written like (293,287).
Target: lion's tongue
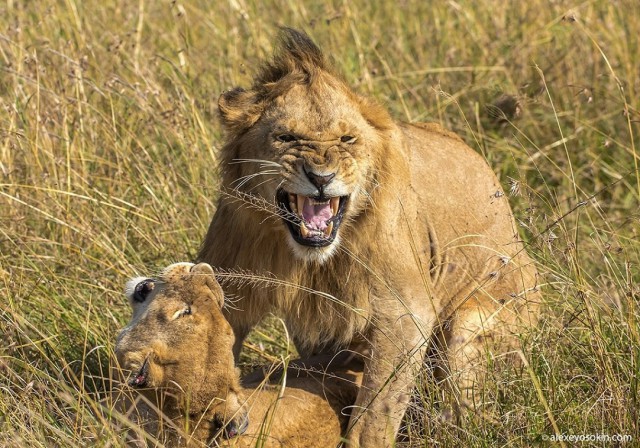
(316,216)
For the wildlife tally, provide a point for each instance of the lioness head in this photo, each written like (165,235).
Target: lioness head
(302,139)
(178,343)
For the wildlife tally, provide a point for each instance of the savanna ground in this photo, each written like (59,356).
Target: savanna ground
(107,169)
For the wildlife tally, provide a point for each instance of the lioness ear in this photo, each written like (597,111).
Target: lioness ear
(207,276)
(239,109)
(202,268)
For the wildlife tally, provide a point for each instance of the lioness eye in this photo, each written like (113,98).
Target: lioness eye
(347,139)
(286,138)
(142,290)
(181,313)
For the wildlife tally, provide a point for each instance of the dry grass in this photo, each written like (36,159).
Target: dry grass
(107,149)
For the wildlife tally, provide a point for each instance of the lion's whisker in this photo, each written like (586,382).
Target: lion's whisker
(242,181)
(263,162)
(260,184)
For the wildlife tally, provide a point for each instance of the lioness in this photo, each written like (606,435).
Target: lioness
(374,234)
(178,350)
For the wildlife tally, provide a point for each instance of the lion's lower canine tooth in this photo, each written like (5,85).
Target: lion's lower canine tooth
(328,230)
(303,230)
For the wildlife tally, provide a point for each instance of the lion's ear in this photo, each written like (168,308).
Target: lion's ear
(239,109)
(205,276)
(376,115)
(201,268)
(216,290)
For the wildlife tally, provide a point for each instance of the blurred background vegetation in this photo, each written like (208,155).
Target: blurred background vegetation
(108,142)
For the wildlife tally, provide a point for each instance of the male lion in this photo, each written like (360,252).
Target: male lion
(373,233)
(178,349)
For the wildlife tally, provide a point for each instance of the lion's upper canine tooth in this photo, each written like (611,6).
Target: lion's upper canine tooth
(303,230)
(335,205)
(301,200)
(328,230)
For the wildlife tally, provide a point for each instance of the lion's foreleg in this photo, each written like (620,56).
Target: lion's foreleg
(397,352)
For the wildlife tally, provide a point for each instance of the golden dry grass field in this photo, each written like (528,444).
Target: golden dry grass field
(108,142)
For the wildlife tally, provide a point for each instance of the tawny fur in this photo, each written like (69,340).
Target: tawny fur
(428,250)
(191,388)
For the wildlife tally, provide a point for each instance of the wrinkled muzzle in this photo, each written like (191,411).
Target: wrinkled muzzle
(313,201)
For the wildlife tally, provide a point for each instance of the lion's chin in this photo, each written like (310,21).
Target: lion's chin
(316,254)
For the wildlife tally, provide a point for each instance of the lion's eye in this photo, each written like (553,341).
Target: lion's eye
(347,139)
(142,290)
(183,312)
(286,138)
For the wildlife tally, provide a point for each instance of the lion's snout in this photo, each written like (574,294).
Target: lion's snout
(143,370)
(319,180)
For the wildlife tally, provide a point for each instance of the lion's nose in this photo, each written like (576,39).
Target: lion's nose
(319,180)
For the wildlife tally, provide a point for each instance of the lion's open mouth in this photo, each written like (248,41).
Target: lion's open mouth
(141,377)
(312,221)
